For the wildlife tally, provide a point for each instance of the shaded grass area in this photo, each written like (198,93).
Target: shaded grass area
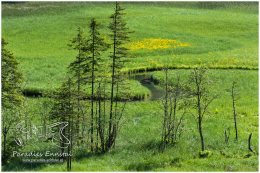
(220,35)
(139,136)
(130,90)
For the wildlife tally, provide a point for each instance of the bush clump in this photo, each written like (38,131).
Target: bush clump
(205,154)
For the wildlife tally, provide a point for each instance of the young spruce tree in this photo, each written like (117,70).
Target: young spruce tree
(77,68)
(119,35)
(95,45)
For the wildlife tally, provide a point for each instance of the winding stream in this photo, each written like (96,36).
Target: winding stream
(147,81)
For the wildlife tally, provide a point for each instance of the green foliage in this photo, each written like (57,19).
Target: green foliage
(11,79)
(119,36)
(79,66)
(137,144)
(62,107)
(205,153)
(11,100)
(95,46)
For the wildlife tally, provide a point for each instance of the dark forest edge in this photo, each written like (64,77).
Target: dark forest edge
(241,6)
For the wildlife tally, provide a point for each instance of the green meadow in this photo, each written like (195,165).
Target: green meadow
(219,38)
(181,36)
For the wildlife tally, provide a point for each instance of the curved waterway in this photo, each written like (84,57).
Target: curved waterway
(145,79)
(148,81)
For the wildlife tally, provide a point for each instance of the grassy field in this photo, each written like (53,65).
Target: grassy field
(177,35)
(219,38)
(137,145)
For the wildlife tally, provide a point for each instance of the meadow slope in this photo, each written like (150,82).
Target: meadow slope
(38,35)
(180,36)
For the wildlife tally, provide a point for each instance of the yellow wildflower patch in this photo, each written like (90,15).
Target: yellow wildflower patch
(156,43)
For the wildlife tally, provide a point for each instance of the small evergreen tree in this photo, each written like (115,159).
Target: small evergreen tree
(63,114)
(77,67)
(119,35)
(94,47)
(11,97)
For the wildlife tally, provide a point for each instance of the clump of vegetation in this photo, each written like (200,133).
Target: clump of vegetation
(205,154)
(63,114)
(11,100)
(175,106)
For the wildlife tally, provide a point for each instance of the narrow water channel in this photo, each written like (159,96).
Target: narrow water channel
(147,81)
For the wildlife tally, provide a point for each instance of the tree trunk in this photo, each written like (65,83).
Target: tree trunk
(116,120)
(70,134)
(96,127)
(100,121)
(200,117)
(201,135)
(249,143)
(165,126)
(234,110)
(174,116)
(112,89)
(92,86)
(78,92)
(78,104)
(104,117)
(4,150)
